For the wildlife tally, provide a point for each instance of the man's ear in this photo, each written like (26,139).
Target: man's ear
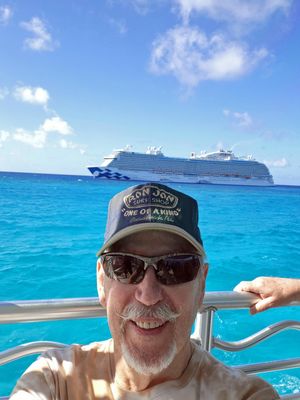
(100,283)
(205,270)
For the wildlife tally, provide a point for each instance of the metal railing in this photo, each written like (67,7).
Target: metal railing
(62,309)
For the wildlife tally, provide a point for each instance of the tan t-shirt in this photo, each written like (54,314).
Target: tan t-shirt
(86,373)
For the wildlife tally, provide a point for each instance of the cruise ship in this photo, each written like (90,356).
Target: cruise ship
(218,167)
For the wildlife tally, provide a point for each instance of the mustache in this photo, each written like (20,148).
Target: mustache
(161,311)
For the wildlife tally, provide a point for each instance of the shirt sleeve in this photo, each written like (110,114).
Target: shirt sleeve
(37,382)
(266,393)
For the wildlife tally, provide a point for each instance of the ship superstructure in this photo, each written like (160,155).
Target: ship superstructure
(218,167)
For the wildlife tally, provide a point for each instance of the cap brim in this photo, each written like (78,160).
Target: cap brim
(152,226)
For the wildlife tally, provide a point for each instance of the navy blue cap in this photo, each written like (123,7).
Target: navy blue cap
(152,206)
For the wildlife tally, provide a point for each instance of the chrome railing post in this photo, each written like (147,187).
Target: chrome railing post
(204,324)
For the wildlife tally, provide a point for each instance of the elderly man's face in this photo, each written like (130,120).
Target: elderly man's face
(152,341)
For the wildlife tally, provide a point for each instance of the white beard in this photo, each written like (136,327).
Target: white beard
(150,365)
(143,362)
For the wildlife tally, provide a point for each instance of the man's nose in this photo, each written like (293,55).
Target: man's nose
(149,292)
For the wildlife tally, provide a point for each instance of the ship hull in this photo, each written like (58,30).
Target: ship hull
(103,173)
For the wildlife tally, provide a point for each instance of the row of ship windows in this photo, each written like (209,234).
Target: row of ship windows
(232,175)
(127,158)
(235,175)
(132,158)
(247,175)
(197,169)
(156,159)
(191,166)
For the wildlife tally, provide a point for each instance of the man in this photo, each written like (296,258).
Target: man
(151,275)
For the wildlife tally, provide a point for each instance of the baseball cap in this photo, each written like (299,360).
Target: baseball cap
(152,206)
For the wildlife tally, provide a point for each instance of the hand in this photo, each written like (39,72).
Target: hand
(273,292)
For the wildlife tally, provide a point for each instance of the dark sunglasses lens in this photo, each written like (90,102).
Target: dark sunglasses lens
(174,270)
(123,268)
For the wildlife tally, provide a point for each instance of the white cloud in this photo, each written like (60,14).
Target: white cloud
(36,139)
(191,56)
(3,92)
(41,40)
(66,144)
(140,6)
(245,121)
(5,14)
(33,95)
(56,124)
(232,11)
(281,163)
(119,25)
(4,135)
(242,119)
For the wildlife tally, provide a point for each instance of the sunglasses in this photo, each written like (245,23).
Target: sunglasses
(171,269)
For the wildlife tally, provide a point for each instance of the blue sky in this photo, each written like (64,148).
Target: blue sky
(80,78)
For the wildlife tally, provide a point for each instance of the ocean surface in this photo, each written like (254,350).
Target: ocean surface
(51,227)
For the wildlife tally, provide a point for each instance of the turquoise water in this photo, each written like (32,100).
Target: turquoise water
(51,227)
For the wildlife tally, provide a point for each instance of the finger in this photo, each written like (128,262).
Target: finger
(261,305)
(244,286)
(253,310)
